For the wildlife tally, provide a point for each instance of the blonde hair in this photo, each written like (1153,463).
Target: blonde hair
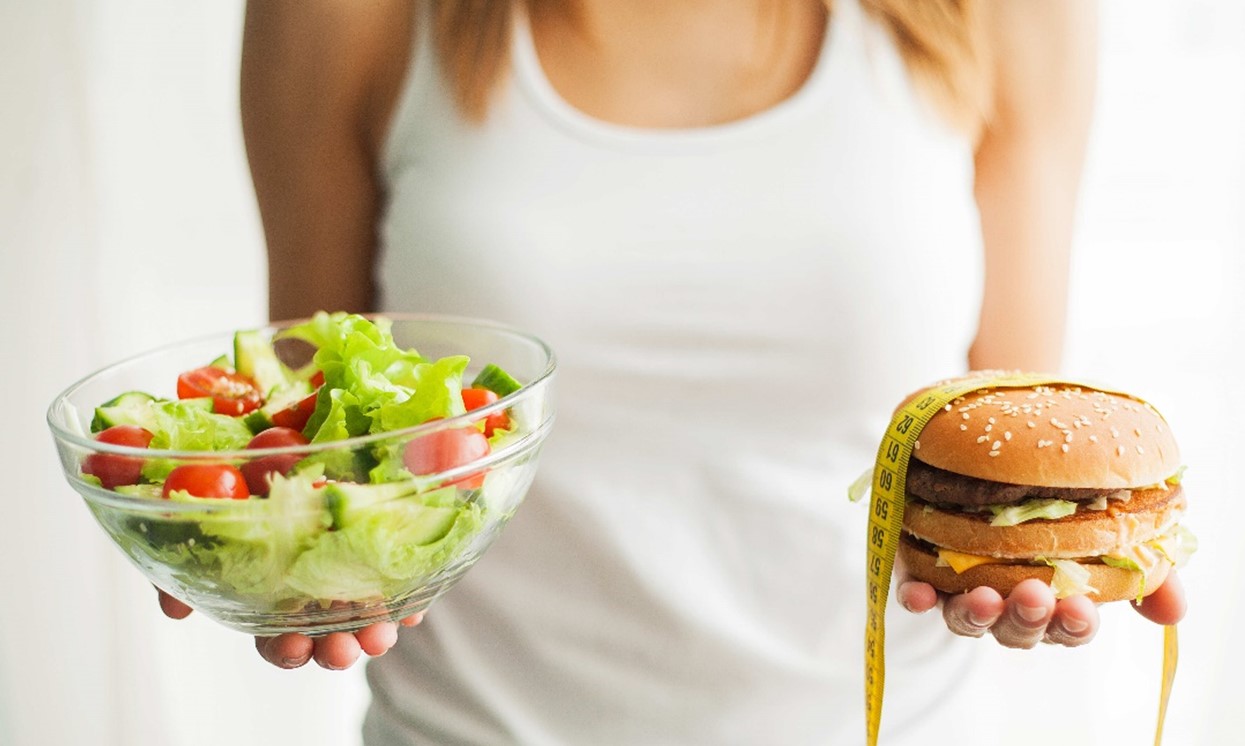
(939,40)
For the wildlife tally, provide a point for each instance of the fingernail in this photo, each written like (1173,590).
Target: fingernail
(978,621)
(1031,613)
(291,662)
(1075,626)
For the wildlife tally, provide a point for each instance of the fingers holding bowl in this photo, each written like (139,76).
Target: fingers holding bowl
(172,608)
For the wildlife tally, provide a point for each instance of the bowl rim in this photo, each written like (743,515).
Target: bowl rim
(61,400)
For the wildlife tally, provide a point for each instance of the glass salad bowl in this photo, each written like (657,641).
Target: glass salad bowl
(316,476)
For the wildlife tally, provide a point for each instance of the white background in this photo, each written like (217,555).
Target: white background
(126,220)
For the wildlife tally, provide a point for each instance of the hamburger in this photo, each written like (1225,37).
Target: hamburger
(1076,487)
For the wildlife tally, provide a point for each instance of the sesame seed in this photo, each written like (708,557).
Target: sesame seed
(997,444)
(990,420)
(1140,450)
(1032,423)
(1115,433)
(982,438)
(1045,443)
(1067,436)
(916,446)
(1119,451)
(1137,431)
(1064,447)
(989,428)
(963,426)
(965,415)
(947,408)
(1007,435)
(1093,439)
(994,453)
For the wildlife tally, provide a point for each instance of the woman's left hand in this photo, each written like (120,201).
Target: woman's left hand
(1030,614)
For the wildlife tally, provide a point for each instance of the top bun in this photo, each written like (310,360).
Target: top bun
(1058,435)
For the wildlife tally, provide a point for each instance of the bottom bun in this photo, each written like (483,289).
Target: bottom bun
(1112,583)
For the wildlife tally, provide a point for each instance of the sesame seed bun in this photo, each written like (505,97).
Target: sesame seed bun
(1055,436)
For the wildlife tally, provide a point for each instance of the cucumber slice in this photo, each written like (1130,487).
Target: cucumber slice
(346,500)
(130,408)
(496,380)
(258,421)
(282,397)
(255,359)
(221,362)
(151,491)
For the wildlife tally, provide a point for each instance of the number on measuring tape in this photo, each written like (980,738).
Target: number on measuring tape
(904,424)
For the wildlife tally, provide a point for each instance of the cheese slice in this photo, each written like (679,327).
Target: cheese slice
(959,561)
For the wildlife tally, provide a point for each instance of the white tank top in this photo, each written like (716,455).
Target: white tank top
(736,310)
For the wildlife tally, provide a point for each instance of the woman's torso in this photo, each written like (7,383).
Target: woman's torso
(736,309)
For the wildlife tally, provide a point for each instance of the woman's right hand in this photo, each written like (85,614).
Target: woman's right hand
(335,651)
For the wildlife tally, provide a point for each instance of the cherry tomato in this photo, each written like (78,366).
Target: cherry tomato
(114,469)
(232,393)
(317,379)
(474,398)
(207,480)
(445,449)
(257,470)
(296,415)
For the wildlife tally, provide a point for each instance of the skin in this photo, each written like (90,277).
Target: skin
(313,133)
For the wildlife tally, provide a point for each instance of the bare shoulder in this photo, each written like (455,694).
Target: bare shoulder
(1043,55)
(329,64)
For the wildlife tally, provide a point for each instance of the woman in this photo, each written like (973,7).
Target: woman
(747,228)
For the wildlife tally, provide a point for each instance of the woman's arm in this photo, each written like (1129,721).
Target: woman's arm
(1028,167)
(319,82)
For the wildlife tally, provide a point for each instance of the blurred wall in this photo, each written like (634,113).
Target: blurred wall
(126,220)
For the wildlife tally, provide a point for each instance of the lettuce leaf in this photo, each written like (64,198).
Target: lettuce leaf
(257,541)
(1071,578)
(386,550)
(1030,510)
(371,384)
(859,488)
(187,425)
(1177,545)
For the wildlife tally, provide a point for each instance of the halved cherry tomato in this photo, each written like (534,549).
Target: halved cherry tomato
(296,415)
(257,470)
(114,469)
(317,379)
(445,449)
(232,393)
(207,480)
(474,398)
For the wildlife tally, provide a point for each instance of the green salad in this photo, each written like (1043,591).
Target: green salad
(300,522)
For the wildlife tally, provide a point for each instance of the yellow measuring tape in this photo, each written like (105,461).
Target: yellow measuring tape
(886,508)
